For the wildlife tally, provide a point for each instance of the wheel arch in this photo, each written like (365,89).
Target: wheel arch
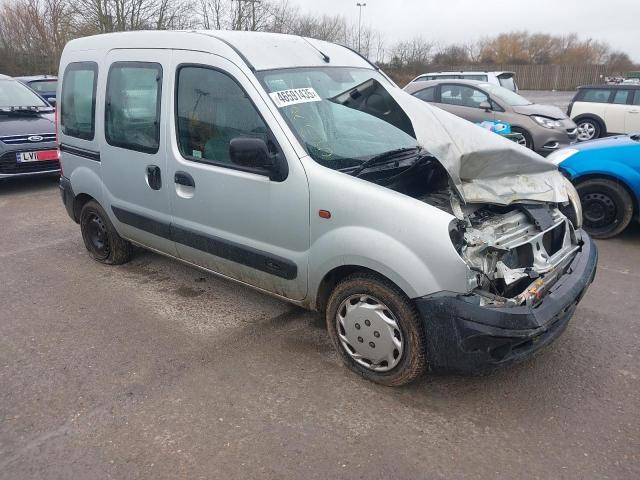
(334,276)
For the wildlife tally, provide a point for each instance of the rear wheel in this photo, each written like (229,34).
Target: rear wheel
(376,330)
(100,236)
(588,129)
(607,207)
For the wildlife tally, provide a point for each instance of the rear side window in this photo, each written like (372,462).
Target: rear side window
(212,109)
(78,106)
(480,78)
(596,95)
(621,97)
(428,94)
(636,99)
(132,110)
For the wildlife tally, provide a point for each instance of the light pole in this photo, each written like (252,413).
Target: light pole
(360,5)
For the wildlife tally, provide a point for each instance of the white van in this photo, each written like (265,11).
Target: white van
(502,79)
(297,167)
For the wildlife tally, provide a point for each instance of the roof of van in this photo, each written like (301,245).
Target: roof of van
(470,72)
(259,50)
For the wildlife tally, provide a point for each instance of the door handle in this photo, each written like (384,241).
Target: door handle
(634,111)
(183,178)
(154,177)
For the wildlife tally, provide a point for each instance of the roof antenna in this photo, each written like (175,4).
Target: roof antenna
(325,57)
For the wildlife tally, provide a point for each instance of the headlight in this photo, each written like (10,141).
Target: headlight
(573,211)
(546,122)
(561,155)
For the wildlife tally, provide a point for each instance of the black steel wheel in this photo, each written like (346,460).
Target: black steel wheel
(100,237)
(607,207)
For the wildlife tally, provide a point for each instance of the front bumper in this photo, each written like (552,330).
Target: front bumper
(547,141)
(464,337)
(10,168)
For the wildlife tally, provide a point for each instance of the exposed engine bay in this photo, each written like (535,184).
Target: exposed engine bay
(517,251)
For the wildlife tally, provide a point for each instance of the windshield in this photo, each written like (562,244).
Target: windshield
(44,86)
(15,94)
(507,96)
(342,116)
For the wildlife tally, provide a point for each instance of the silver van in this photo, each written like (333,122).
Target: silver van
(297,167)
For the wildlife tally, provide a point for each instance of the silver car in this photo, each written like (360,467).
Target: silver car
(297,167)
(544,128)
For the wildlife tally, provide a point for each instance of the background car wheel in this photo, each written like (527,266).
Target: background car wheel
(607,207)
(100,237)
(527,140)
(376,330)
(588,129)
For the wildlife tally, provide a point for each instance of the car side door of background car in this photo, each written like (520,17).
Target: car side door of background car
(135,179)
(464,101)
(632,118)
(616,111)
(225,218)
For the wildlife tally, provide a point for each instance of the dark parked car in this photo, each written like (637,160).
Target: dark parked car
(27,132)
(43,85)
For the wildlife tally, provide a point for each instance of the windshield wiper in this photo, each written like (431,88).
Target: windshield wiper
(383,157)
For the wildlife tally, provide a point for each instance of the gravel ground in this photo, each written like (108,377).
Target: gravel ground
(156,370)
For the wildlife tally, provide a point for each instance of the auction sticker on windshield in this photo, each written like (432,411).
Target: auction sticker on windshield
(293,96)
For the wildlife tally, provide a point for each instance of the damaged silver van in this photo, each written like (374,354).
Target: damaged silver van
(299,168)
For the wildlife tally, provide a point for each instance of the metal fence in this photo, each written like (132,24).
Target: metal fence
(544,77)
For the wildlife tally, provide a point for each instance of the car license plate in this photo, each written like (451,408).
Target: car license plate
(39,156)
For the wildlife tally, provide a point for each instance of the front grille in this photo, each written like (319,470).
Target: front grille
(36,138)
(9,165)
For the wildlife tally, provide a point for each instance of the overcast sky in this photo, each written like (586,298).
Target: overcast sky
(614,21)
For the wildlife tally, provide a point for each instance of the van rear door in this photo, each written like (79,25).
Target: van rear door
(133,145)
(508,80)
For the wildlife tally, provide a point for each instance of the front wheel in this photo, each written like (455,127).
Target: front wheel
(526,140)
(607,207)
(376,330)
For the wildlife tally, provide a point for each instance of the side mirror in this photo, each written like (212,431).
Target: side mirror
(486,106)
(52,101)
(254,153)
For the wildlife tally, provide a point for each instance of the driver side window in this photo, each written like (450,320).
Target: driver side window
(212,110)
(462,96)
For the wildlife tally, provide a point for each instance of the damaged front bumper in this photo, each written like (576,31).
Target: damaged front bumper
(466,336)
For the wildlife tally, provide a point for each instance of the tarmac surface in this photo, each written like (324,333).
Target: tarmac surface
(156,370)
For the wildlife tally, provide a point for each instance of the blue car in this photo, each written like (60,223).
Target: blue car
(606,173)
(43,85)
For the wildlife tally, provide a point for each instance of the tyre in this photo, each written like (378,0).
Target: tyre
(376,330)
(588,129)
(100,237)
(607,207)
(527,141)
